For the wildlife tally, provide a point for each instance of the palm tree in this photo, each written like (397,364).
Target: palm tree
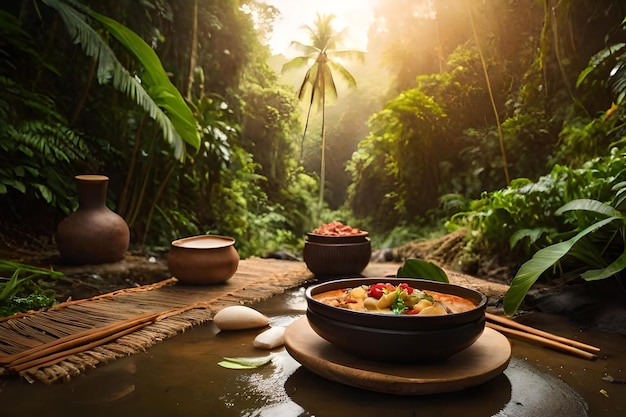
(318,83)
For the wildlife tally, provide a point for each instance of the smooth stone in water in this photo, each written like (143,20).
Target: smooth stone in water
(239,318)
(270,338)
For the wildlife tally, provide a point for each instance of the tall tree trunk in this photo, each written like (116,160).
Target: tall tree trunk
(124,200)
(193,53)
(493,102)
(83,98)
(544,43)
(560,59)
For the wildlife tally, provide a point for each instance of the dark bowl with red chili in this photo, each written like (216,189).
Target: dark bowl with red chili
(397,337)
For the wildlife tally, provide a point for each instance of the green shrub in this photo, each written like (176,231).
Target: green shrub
(24,287)
(523,215)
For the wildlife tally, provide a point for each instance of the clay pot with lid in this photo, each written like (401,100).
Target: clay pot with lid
(93,234)
(203,259)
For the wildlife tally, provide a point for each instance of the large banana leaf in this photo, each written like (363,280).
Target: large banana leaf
(178,124)
(543,259)
(160,88)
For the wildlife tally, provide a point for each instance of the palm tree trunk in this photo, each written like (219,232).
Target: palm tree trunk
(322,89)
(323,161)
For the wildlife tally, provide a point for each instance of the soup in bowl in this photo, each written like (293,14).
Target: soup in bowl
(396,319)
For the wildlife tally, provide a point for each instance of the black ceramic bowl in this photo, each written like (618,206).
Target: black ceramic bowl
(396,338)
(337,259)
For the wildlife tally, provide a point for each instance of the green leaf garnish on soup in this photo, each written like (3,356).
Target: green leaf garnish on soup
(398,306)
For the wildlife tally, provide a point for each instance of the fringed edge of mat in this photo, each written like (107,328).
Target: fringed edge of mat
(165,328)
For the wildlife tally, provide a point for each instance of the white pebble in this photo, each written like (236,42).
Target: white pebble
(239,317)
(270,338)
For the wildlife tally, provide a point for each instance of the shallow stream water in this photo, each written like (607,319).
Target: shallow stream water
(181,377)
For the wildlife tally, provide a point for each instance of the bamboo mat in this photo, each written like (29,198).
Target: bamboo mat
(62,342)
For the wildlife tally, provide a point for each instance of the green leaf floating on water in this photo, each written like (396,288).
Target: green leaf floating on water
(234,365)
(244,363)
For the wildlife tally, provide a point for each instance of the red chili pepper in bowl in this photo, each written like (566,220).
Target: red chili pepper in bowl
(376,290)
(403,286)
(380,289)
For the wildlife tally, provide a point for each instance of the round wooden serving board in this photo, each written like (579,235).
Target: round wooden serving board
(479,363)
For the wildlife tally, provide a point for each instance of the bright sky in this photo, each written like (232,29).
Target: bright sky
(356,15)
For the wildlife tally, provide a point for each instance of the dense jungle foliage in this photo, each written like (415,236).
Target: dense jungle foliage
(62,115)
(485,115)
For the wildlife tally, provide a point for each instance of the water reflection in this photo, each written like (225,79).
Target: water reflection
(262,393)
(111,384)
(322,397)
(521,391)
(535,393)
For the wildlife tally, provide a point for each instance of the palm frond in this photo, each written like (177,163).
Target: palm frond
(295,63)
(336,39)
(343,73)
(308,82)
(309,50)
(324,35)
(349,54)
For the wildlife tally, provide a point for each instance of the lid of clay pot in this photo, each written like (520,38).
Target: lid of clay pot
(204,242)
(89,177)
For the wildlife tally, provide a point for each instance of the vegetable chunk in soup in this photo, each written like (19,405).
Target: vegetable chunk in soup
(400,299)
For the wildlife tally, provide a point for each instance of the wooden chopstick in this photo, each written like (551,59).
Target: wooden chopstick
(57,350)
(44,361)
(76,339)
(513,328)
(542,341)
(512,323)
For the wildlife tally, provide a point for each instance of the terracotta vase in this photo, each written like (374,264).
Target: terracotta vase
(93,234)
